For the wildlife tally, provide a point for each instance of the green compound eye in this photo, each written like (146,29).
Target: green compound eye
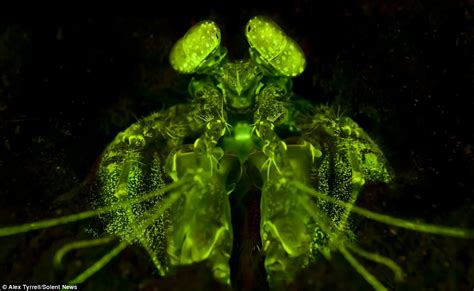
(271,47)
(191,51)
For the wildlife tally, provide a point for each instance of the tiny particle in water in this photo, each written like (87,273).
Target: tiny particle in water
(59,34)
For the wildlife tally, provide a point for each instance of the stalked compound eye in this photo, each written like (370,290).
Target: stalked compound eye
(191,51)
(271,47)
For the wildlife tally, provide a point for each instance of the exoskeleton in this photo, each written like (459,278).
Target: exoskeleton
(164,182)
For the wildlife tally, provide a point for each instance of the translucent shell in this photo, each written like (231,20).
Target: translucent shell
(191,51)
(274,48)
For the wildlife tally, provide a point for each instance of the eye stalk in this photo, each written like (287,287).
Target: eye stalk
(271,48)
(199,50)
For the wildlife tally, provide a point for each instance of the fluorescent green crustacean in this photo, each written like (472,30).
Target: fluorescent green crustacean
(164,182)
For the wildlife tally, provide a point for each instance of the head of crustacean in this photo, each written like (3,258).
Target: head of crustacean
(272,54)
(239,82)
(199,52)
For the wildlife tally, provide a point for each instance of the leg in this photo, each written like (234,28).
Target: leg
(208,104)
(271,110)
(99,264)
(58,257)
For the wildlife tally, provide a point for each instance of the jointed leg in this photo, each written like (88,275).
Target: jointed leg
(378,259)
(58,257)
(208,104)
(338,239)
(272,110)
(361,270)
(99,264)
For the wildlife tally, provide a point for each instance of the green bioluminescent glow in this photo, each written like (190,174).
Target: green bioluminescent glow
(172,198)
(274,48)
(192,50)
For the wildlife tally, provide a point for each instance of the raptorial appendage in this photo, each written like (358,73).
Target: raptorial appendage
(285,227)
(335,157)
(201,229)
(195,224)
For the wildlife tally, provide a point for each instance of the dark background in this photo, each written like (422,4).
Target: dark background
(402,69)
